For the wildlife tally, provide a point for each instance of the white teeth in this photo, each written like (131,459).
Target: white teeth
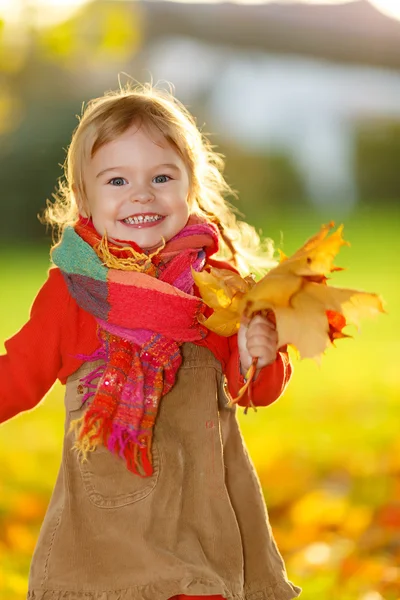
(142,219)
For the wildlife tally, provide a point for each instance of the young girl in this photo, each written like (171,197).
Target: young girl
(156,496)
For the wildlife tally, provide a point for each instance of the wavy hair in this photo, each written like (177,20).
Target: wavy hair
(105,118)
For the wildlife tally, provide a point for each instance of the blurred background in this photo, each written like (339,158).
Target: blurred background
(303,98)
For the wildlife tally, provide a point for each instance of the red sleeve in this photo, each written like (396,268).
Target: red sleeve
(269,384)
(32,360)
(46,347)
(271,381)
(221,264)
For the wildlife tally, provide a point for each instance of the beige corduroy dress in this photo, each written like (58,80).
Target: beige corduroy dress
(197,526)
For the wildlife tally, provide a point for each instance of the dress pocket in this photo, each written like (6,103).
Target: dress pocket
(106,478)
(109,483)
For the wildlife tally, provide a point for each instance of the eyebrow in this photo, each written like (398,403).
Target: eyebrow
(163,166)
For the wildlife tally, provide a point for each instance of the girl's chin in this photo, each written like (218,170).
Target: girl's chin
(144,242)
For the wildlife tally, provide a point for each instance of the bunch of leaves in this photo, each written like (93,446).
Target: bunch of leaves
(309,314)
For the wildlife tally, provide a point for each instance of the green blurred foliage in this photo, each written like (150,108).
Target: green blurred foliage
(377,160)
(266,179)
(42,73)
(107,32)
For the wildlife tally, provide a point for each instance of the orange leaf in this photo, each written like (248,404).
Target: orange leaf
(336,323)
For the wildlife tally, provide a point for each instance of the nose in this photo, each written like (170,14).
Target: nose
(143,195)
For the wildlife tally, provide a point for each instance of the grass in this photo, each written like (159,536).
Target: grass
(327,452)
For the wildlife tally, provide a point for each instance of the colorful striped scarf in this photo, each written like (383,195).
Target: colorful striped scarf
(145,309)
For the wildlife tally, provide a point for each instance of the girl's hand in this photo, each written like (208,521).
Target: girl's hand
(258,339)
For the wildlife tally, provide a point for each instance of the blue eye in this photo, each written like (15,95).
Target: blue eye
(161,179)
(117,181)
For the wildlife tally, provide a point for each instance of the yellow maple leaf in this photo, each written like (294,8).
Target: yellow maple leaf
(316,256)
(224,322)
(220,286)
(309,314)
(223,291)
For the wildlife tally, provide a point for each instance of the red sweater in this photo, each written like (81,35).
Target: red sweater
(46,347)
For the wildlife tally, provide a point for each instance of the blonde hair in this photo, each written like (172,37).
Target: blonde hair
(109,116)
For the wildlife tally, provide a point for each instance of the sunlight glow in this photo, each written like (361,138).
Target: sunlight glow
(391,8)
(38,12)
(372,596)
(266,1)
(49,12)
(318,553)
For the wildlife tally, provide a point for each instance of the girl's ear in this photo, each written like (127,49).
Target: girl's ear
(79,201)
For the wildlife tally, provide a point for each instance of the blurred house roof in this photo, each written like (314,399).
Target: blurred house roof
(355,32)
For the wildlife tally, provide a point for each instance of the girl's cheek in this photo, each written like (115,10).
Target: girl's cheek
(113,198)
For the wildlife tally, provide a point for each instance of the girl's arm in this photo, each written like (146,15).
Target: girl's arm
(33,355)
(271,380)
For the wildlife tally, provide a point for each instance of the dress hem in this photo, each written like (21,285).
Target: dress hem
(164,590)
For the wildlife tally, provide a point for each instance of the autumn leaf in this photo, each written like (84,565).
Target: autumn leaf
(310,315)
(219,287)
(304,325)
(318,313)
(223,322)
(223,291)
(316,256)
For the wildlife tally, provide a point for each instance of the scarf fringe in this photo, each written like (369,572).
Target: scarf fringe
(93,432)
(87,382)
(139,261)
(87,437)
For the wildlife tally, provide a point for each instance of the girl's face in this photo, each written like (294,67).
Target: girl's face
(137,188)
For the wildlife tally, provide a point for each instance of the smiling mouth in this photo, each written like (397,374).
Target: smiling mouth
(140,219)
